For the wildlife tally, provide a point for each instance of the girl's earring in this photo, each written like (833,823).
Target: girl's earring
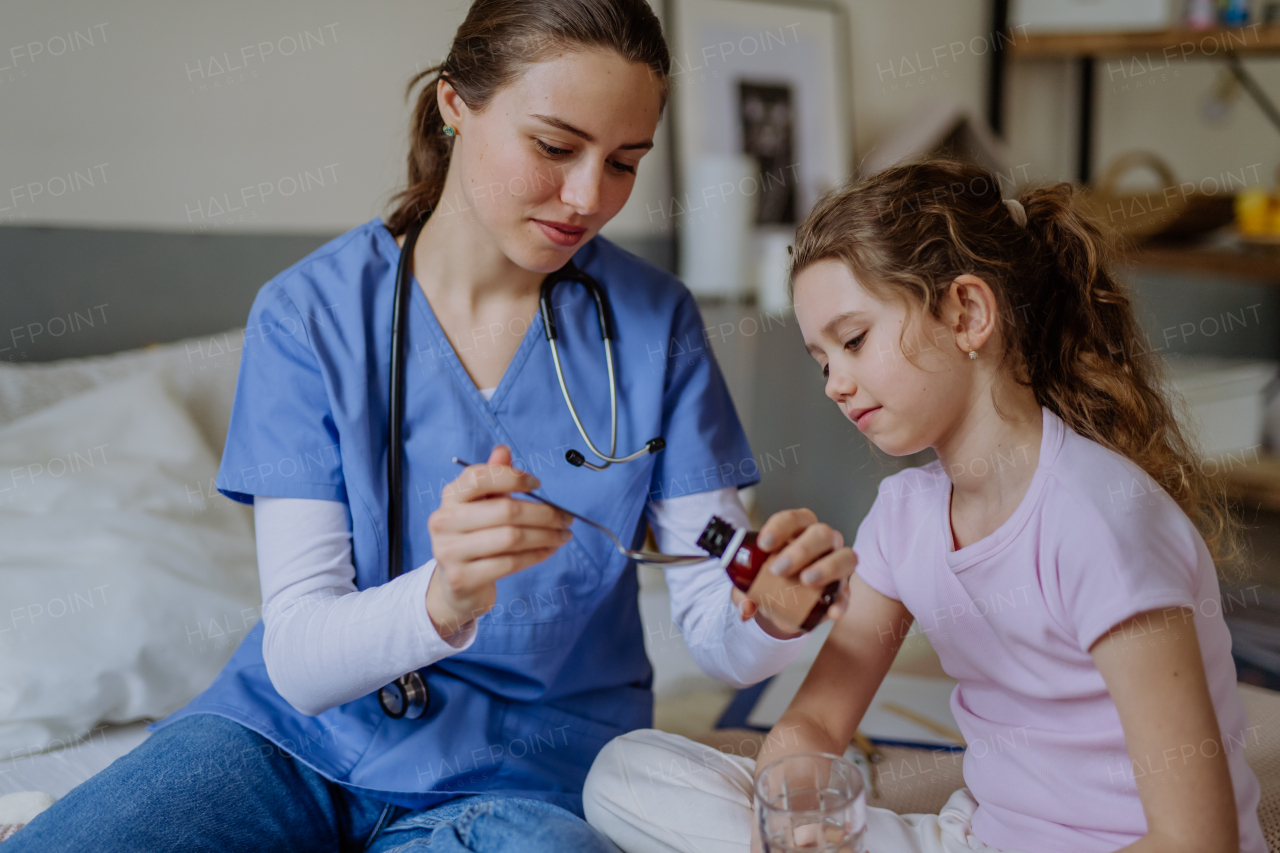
(972,355)
(450,130)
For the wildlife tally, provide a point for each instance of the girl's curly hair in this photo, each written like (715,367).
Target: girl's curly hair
(1070,333)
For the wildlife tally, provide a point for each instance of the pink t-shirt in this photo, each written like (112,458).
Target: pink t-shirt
(1012,617)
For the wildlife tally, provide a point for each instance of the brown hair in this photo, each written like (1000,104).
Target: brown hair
(496,42)
(1067,324)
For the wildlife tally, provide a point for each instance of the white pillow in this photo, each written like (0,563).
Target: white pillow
(126,580)
(200,371)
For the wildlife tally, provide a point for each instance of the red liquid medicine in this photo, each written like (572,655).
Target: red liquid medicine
(742,561)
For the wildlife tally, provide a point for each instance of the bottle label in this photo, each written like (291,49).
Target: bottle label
(786,601)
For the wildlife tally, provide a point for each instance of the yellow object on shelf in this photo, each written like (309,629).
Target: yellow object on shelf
(1256,212)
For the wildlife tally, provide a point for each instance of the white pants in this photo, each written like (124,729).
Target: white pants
(655,792)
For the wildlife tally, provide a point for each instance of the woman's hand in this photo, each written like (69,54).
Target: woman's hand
(480,533)
(808,548)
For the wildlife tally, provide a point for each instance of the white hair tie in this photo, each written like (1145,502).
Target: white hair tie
(1017,211)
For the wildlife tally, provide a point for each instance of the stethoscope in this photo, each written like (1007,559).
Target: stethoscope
(407,696)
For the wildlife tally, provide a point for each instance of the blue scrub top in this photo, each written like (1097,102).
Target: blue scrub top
(558,667)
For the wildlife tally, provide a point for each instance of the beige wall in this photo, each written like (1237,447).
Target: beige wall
(146,100)
(890,40)
(178,112)
(1162,110)
(1138,106)
(129,112)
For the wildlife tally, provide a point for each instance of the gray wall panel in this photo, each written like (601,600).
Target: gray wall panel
(73,292)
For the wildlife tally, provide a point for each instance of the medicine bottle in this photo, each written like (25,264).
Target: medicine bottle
(788,602)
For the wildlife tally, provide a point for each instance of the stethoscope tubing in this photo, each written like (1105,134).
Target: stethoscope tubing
(400,316)
(570,272)
(608,458)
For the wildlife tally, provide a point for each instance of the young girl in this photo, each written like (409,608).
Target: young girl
(991,331)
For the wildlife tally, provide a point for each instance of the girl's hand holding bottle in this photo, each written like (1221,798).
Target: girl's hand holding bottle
(793,547)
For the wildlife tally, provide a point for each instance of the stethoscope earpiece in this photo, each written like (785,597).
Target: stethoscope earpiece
(577,460)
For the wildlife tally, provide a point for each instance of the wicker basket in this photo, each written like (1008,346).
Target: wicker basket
(1166,211)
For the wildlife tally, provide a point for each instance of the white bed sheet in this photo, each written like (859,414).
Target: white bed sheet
(57,771)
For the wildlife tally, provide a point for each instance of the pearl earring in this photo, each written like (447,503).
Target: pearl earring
(972,355)
(450,130)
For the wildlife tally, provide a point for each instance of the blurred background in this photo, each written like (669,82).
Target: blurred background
(160,162)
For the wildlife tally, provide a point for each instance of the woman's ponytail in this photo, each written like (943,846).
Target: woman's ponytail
(429,151)
(1069,326)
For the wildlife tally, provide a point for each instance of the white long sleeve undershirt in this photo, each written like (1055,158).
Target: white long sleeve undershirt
(327,643)
(723,646)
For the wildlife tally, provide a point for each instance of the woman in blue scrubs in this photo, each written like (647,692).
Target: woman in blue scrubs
(524,143)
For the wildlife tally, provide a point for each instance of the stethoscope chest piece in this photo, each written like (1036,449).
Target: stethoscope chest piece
(406,697)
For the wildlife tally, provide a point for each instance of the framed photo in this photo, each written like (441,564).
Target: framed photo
(762,126)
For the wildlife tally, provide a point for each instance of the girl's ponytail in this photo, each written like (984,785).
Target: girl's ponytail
(1090,364)
(1069,327)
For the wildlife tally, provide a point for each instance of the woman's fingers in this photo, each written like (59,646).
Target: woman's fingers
(784,526)
(463,592)
(499,541)
(480,533)
(478,573)
(495,512)
(482,481)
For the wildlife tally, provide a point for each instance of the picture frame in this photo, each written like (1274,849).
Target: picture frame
(761,127)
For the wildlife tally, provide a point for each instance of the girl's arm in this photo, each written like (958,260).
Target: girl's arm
(843,679)
(1153,669)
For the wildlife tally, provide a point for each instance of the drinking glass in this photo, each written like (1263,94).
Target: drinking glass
(811,802)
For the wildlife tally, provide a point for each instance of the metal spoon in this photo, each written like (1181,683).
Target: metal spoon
(653,557)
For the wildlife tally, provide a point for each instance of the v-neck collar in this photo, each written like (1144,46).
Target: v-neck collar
(418,300)
(1051,438)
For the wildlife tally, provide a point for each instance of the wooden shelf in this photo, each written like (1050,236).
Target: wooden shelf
(1256,483)
(1260,265)
(1166,45)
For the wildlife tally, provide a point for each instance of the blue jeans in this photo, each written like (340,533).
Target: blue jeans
(207,783)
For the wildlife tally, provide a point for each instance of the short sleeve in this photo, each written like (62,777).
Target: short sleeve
(1148,562)
(706,448)
(874,566)
(282,440)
